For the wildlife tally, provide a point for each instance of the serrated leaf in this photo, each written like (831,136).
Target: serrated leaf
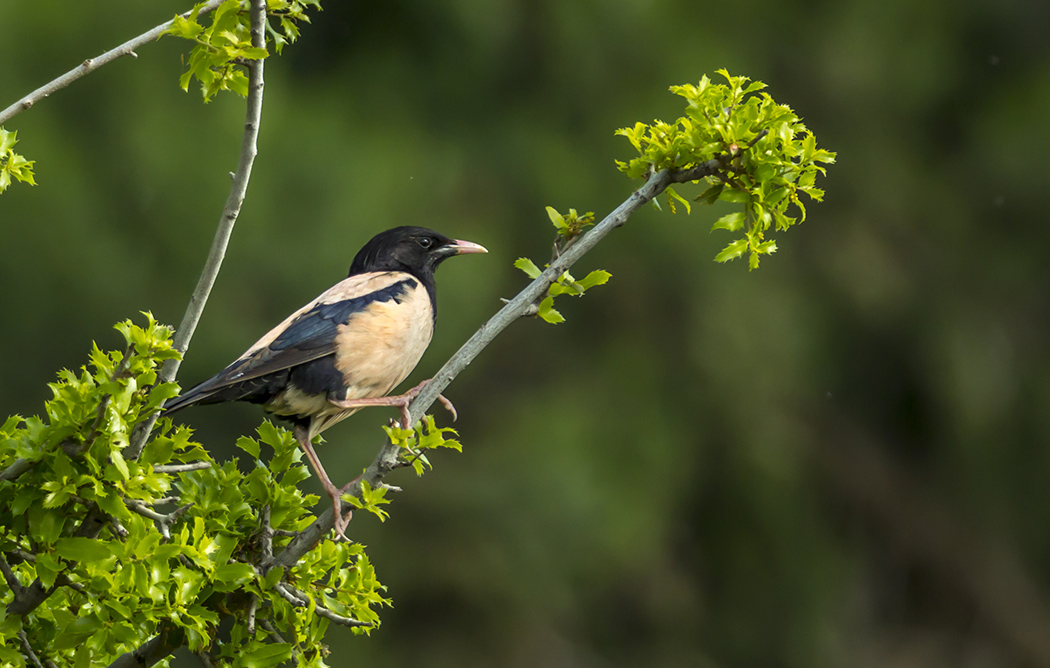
(82,549)
(249,445)
(266,656)
(596,277)
(528,266)
(548,313)
(732,251)
(731,222)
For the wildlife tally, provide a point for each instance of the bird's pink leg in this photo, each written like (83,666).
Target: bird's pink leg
(303,436)
(401,401)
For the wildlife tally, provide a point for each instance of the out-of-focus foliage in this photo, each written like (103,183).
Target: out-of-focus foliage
(772,157)
(12,165)
(640,486)
(181,548)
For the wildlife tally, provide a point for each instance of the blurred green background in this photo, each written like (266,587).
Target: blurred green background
(840,459)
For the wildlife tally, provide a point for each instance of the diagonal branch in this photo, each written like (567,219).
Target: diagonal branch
(522,304)
(92,64)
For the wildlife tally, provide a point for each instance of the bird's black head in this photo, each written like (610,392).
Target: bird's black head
(415,250)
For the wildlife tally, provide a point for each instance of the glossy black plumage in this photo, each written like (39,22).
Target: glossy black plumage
(346,349)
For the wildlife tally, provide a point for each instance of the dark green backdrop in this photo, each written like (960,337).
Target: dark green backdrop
(842,459)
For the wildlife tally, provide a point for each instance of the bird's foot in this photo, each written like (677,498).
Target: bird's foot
(400,401)
(340,521)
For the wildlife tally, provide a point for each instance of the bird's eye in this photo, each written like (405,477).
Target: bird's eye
(426,242)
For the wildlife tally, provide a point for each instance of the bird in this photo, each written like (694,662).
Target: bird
(346,349)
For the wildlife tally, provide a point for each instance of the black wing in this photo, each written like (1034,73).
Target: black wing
(309,336)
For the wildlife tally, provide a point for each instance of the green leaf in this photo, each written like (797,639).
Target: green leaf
(83,549)
(267,655)
(556,218)
(528,266)
(673,196)
(732,251)
(233,575)
(548,313)
(249,445)
(732,222)
(596,277)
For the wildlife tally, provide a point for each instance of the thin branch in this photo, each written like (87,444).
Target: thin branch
(150,652)
(523,304)
(282,589)
(272,630)
(10,577)
(301,600)
(163,521)
(205,660)
(181,468)
(16,469)
(339,619)
(249,149)
(92,64)
(28,649)
(267,539)
(253,607)
(36,594)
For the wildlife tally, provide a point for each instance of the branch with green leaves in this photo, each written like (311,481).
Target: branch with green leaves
(219,47)
(81,523)
(766,156)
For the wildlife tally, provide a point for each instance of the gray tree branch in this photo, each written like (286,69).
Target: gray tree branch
(92,64)
(523,304)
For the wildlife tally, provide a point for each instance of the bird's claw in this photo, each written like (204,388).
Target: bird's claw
(448,406)
(340,521)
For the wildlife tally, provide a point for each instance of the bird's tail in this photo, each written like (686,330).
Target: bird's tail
(198,394)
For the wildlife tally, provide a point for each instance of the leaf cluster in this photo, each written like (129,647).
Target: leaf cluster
(224,42)
(414,443)
(13,167)
(568,227)
(187,541)
(765,158)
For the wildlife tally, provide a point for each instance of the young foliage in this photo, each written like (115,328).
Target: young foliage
(568,227)
(415,442)
(225,41)
(186,540)
(767,158)
(13,167)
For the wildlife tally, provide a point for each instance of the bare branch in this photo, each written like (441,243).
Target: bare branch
(28,649)
(267,539)
(92,64)
(16,469)
(10,577)
(253,607)
(249,149)
(150,652)
(181,468)
(339,619)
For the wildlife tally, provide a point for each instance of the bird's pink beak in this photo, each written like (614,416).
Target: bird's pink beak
(464,247)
